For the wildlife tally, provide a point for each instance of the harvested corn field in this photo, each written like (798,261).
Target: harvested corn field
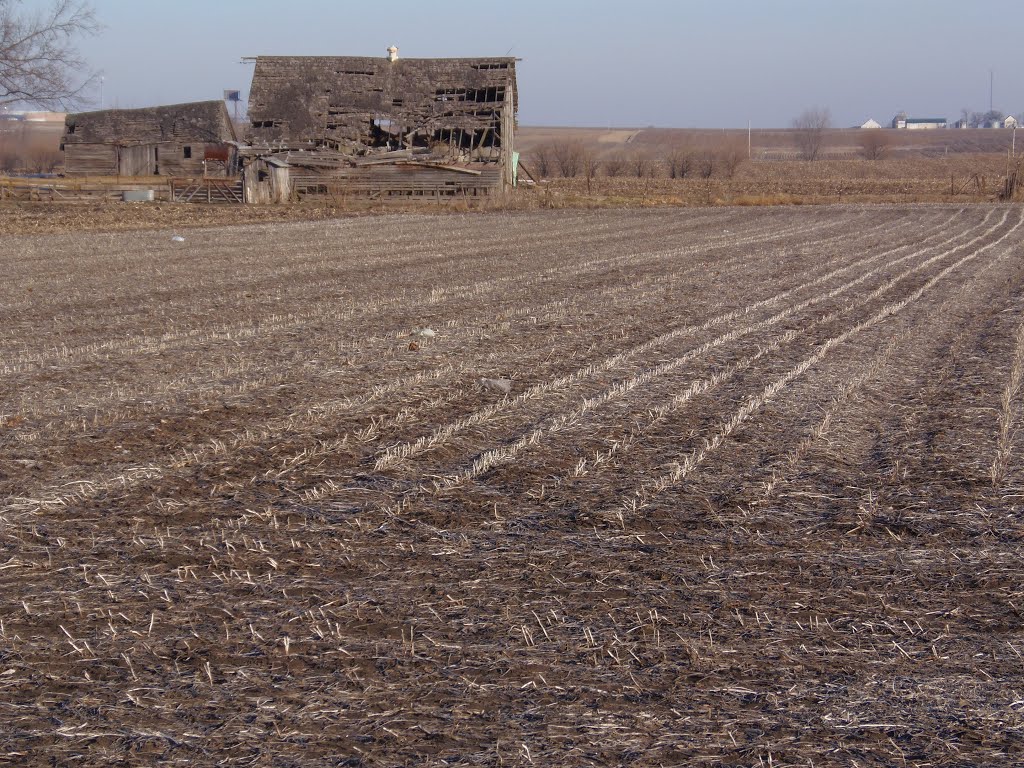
(662,487)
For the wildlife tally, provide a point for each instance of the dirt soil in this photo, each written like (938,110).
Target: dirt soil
(18,218)
(753,496)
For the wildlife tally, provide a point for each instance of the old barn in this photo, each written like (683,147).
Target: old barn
(383,126)
(176,140)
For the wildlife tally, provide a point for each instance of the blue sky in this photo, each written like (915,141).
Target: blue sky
(689,63)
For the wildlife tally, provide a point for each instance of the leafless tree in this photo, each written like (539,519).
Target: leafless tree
(643,166)
(544,158)
(810,130)
(41,156)
(732,153)
(874,143)
(569,156)
(39,63)
(679,162)
(981,119)
(615,165)
(706,164)
(591,164)
(9,156)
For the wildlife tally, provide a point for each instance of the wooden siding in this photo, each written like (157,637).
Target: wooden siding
(166,141)
(316,98)
(400,180)
(458,110)
(90,160)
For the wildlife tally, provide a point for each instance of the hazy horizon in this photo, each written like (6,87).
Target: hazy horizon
(671,65)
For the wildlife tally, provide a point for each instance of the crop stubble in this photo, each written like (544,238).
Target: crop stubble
(754,497)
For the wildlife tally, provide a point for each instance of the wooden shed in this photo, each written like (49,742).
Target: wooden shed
(175,140)
(431,124)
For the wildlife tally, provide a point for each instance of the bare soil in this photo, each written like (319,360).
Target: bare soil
(753,498)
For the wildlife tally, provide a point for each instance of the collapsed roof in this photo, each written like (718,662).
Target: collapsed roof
(339,101)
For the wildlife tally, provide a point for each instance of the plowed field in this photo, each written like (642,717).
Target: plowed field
(752,497)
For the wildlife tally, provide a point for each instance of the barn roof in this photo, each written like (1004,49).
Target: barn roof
(316,97)
(199,120)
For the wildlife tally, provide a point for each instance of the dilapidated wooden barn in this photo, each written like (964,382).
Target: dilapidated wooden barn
(386,126)
(175,140)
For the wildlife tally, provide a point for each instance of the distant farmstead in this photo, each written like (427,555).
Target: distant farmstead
(383,126)
(192,139)
(918,123)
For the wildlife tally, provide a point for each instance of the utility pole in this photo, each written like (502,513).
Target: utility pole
(749,143)
(991,89)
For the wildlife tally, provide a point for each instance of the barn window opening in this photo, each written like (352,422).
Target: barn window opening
(450,94)
(188,153)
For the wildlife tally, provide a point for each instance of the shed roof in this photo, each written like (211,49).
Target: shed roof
(199,120)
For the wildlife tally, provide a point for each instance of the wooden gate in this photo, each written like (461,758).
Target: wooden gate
(207,191)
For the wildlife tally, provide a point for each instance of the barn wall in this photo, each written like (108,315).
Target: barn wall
(173,161)
(315,98)
(508,127)
(90,160)
(151,140)
(137,161)
(398,180)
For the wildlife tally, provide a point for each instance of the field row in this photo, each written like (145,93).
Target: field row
(648,487)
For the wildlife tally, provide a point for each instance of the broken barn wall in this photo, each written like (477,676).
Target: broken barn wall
(465,105)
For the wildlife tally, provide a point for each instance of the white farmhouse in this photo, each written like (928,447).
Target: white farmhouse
(871,123)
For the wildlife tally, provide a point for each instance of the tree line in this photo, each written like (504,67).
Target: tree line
(574,159)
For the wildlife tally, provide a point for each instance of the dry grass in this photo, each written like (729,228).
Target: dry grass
(753,498)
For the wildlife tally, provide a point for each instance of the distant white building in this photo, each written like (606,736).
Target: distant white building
(871,123)
(1011,122)
(903,122)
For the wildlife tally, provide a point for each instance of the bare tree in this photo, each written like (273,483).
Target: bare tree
(569,155)
(874,143)
(643,166)
(732,153)
(39,63)
(980,119)
(591,164)
(706,164)
(679,162)
(41,156)
(9,159)
(544,158)
(614,165)
(810,130)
